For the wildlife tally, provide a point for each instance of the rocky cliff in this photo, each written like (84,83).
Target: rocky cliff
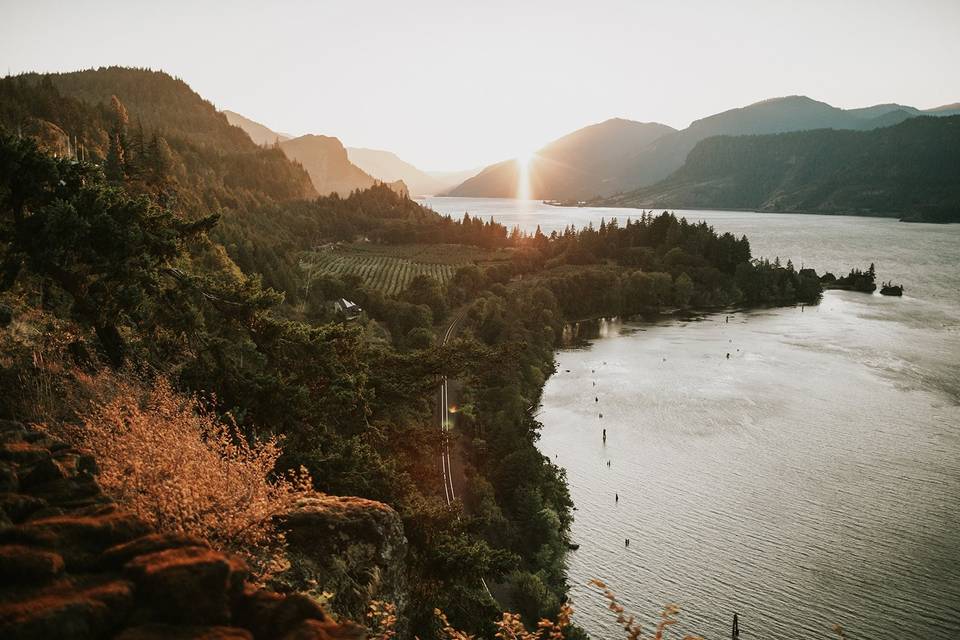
(74,565)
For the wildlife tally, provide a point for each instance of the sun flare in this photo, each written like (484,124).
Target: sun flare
(524,160)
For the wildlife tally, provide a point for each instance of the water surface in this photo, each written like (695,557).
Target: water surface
(812,478)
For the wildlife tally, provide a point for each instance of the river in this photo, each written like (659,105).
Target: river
(811,479)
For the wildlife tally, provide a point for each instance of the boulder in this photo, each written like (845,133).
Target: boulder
(46,470)
(80,537)
(28,565)
(352,547)
(117,556)
(23,452)
(185,585)
(67,610)
(19,506)
(272,615)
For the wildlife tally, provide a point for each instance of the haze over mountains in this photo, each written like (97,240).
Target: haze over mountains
(640,162)
(324,158)
(335,169)
(576,164)
(257,132)
(387,166)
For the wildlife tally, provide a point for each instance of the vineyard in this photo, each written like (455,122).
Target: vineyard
(390,273)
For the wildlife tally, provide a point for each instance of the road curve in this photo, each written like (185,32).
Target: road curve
(445,427)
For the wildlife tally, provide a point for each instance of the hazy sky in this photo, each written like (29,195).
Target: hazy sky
(450,85)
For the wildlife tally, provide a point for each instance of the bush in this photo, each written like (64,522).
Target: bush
(171,460)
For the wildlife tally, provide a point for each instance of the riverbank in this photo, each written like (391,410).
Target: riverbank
(756,484)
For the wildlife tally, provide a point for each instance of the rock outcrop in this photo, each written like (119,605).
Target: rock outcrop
(73,565)
(351,547)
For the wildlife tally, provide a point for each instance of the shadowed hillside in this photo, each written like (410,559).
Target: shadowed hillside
(909,169)
(778,115)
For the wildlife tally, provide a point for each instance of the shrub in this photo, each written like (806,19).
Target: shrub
(175,463)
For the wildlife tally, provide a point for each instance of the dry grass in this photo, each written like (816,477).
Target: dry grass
(633,630)
(383,619)
(171,460)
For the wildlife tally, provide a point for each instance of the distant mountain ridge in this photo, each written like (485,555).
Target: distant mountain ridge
(777,115)
(578,165)
(910,169)
(324,158)
(643,163)
(259,133)
(387,166)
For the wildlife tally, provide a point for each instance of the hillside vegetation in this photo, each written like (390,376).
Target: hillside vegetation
(910,169)
(121,264)
(173,141)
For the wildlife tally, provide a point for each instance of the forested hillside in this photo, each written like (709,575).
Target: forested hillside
(155,131)
(907,170)
(124,271)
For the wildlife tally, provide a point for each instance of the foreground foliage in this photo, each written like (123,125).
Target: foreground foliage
(182,468)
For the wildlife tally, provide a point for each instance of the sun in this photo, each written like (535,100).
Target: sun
(524,160)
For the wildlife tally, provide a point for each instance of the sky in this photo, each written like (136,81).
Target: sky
(453,85)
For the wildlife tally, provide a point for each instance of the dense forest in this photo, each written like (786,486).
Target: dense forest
(908,170)
(144,250)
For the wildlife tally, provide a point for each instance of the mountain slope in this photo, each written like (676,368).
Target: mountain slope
(387,166)
(324,158)
(778,115)
(907,169)
(257,132)
(210,164)
(576,166)
(330,170)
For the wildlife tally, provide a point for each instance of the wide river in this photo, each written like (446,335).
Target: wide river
(811,479)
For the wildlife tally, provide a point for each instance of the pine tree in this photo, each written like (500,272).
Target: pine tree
(116,165)
(115,160)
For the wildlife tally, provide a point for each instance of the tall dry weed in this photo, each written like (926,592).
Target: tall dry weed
(178,465)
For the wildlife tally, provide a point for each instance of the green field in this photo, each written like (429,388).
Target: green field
(390,269)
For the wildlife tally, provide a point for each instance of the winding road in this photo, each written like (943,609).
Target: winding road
(445,423)
(445,426)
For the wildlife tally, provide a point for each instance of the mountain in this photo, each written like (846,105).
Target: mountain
(946,110)
(639,163)
(576,166)
(778,115)
(331,171)
(257,132)
(207,163)
(387,166)
(909,169)
(324,158)
(453,178)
